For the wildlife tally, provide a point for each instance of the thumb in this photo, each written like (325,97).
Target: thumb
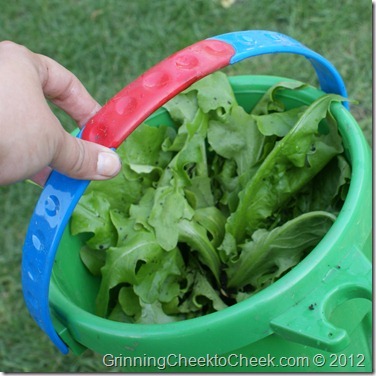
(86,160)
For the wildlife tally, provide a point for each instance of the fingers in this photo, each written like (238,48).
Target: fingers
(32,139)
(81,159)
(41,177)
(59,85)
(103,163)
(76,158)
(65,90)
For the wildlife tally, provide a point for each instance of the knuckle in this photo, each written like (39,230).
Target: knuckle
(78,164)
(72,158)
(8,46)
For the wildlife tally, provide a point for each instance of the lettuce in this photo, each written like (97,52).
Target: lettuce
(211,211)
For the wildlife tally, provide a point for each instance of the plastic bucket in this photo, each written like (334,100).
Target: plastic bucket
(317,317)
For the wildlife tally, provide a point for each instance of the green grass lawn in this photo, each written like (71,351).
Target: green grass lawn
(107,44)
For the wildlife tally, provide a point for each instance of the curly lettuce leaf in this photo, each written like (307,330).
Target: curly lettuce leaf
(209,98)
(269,103)
(193,154)
(122,264)
(142,150)
(243,139)
(169,200)
(92,216)
(202,295)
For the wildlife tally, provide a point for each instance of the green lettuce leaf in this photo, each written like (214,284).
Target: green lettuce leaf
(294,161)
(278,123)
(92,215)
(122,264)
(93,259)
(271,253)
(202,296)
(195,235)
(172,201)
(191,160)
(209,98)
(243,139)
(270,103)
(160,280)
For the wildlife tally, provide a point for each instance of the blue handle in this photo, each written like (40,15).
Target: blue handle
(61,194)
(52,213)
(259,42)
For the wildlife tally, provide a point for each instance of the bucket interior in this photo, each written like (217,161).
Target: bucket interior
(73,289)
(69,272)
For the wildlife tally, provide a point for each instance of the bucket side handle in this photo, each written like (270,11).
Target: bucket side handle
(121,116)
(307,322)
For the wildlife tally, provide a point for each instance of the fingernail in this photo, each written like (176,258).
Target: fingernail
(108,164)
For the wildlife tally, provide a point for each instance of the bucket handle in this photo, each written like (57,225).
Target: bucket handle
(120,117)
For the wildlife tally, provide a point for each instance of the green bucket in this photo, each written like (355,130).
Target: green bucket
(317,317)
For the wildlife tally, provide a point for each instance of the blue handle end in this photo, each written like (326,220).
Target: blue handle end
(260,42)
(51,215)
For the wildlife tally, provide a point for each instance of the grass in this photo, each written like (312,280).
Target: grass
(108,43)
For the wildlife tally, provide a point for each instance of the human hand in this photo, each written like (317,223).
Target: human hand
(32,140)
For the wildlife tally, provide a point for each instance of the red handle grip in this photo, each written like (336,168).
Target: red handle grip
(133,104)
